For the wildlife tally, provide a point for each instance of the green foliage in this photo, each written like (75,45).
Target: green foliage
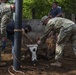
(70,6)
(43,7)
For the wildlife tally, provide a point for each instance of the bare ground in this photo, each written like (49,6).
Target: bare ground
(43,67)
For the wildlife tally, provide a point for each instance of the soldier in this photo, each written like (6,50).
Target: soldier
(5,16)
(10,32)
(66,30)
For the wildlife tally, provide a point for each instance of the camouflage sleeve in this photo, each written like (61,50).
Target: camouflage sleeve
(5,9)
(5,19)
(6,15)
(44,37)
(48,29)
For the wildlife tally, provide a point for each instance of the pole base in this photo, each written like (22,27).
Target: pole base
(12,71)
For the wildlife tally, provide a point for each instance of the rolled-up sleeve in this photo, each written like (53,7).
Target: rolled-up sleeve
(5,19)
(48,29)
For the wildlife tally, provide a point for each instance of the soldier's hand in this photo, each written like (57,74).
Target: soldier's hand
(13,6)
(23,32)
(49,16)
(39,42)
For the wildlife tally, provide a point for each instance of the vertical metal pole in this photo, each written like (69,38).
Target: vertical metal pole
(17,38)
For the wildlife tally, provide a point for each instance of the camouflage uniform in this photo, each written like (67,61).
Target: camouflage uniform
(66,30)
(5,15)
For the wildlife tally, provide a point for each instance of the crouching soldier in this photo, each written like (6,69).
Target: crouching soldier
(10,32)
(66,30)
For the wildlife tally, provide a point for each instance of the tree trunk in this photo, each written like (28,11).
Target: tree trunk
(33,13)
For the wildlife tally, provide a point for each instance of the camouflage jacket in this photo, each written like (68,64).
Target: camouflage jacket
(4,9)
(5,15)
(54,24)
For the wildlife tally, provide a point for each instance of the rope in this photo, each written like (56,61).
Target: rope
(35,67)
(29,39)
(29,67)
(16,56)
(45,65)
(14,69)
(11,67)
(17,30)
(19,62)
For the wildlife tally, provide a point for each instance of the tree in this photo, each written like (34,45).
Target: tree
(39,8)
(70,6)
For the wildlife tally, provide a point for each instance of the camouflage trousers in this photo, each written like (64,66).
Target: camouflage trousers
(4,20)
(0,36)
(0,42)
(65,35)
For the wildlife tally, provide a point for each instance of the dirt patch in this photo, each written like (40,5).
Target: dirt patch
(43,67)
